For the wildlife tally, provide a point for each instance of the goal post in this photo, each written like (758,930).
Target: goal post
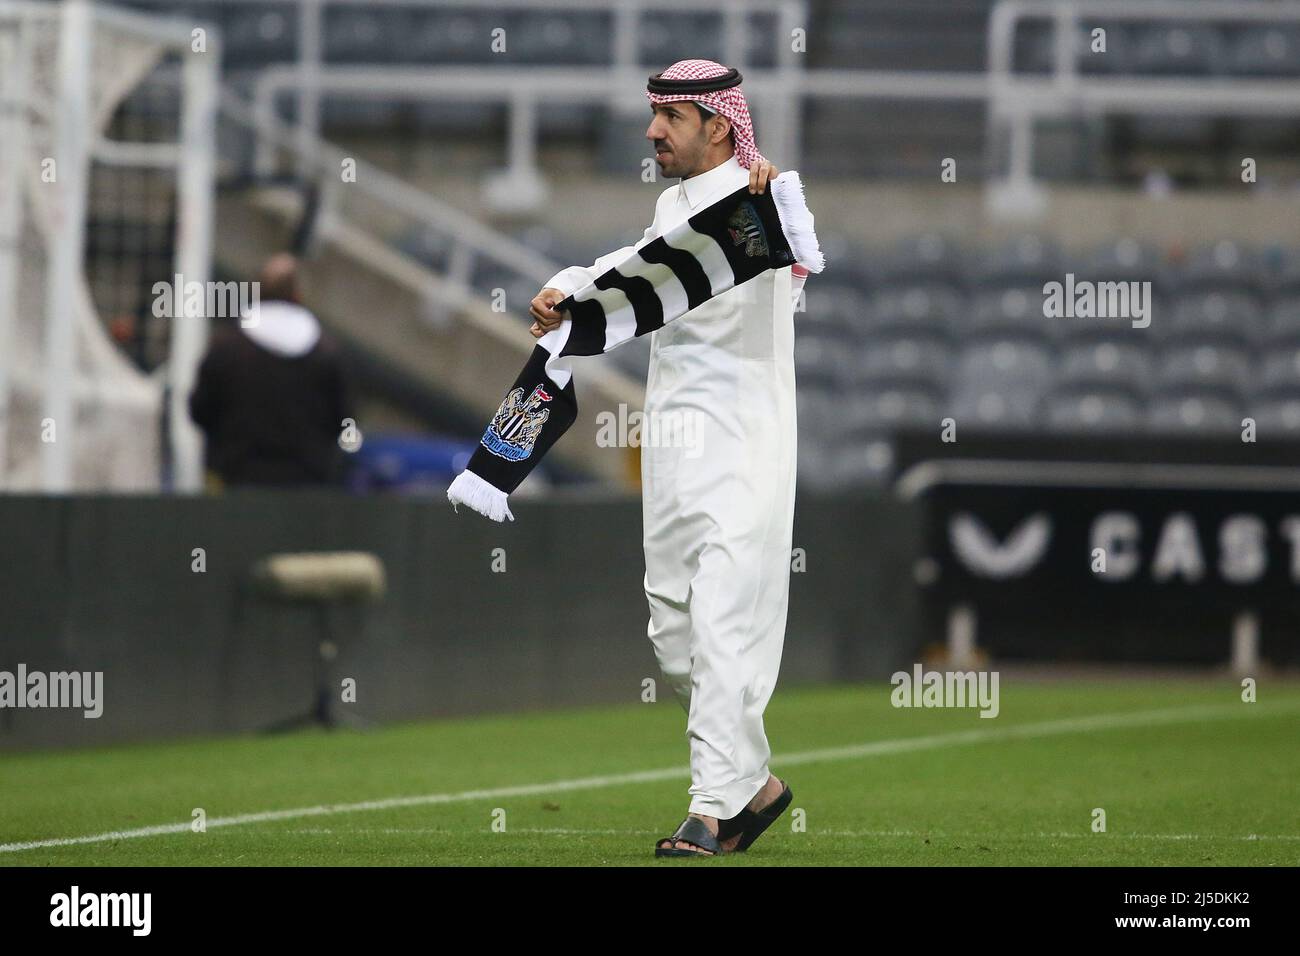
(82,179)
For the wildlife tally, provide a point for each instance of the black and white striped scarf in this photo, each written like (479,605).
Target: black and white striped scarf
(729,242)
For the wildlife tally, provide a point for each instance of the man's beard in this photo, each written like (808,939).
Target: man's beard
(679,168)
(676,165)
(667,164)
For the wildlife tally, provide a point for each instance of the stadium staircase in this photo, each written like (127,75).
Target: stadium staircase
(438,342)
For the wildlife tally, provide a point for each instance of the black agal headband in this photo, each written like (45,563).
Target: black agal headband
(725,81)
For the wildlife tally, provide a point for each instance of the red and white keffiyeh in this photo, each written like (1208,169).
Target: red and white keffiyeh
(729,102)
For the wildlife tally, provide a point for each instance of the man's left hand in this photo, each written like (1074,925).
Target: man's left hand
(760,173)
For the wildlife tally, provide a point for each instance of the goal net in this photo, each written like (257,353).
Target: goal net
(91,178)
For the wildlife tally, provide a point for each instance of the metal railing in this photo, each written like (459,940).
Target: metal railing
(1016,101)
(376,194)
(520,88)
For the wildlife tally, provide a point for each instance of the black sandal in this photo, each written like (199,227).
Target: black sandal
(693,830)
(751,823)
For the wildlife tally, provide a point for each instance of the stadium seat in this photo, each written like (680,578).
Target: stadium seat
(927,310)
(562,37)
(1119,54)
(839,245)
(1000,384)
(816,409)
(1005,360)
(660,37)
(819,434)
(1279,372)
(922,260)
(822,361)
(834,303)
(1283,276)
(861,464)
(760,48)
(1282,326)
(433,37)
(884,409)
(901,362)
(1178,49)
(1025,260)
(997,409)
(1111,365)
(1224,316)
(255,34)
(1223,265)
(457,35)
(853,266)
(1035,50)
(861,446)
(353,34)
(1276,417)
(1015,311)
(1093,410)
(1272,50)
(1219,369)
(814,467)
(1124,260)
(1193,414)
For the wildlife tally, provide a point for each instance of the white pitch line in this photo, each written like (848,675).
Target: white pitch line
(449,831)
(910,834)
(1248,838)
(876,748)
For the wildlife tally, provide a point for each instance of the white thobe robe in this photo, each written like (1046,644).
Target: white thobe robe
(718,503)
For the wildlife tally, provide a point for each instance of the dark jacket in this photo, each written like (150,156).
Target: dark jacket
(271,400)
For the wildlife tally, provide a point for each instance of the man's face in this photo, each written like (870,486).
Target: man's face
(680,136)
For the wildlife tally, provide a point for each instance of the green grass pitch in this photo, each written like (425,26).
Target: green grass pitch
(1186,774)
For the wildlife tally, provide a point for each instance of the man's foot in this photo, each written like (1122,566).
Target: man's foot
(765,797)
(762,800)
(697,836)
(680,844)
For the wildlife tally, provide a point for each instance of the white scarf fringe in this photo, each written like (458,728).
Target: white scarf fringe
(797,221)
(469,489)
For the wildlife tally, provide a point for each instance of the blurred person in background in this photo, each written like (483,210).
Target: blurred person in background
(272,392)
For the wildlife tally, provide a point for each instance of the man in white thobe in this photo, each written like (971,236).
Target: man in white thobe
(717,509)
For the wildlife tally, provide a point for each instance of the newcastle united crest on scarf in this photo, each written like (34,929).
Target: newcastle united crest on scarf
(747,229)
(729,242)
(517,424)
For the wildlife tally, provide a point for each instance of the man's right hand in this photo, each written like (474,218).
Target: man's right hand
(545,318)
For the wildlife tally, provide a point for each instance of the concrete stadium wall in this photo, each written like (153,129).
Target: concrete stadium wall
(106,584)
